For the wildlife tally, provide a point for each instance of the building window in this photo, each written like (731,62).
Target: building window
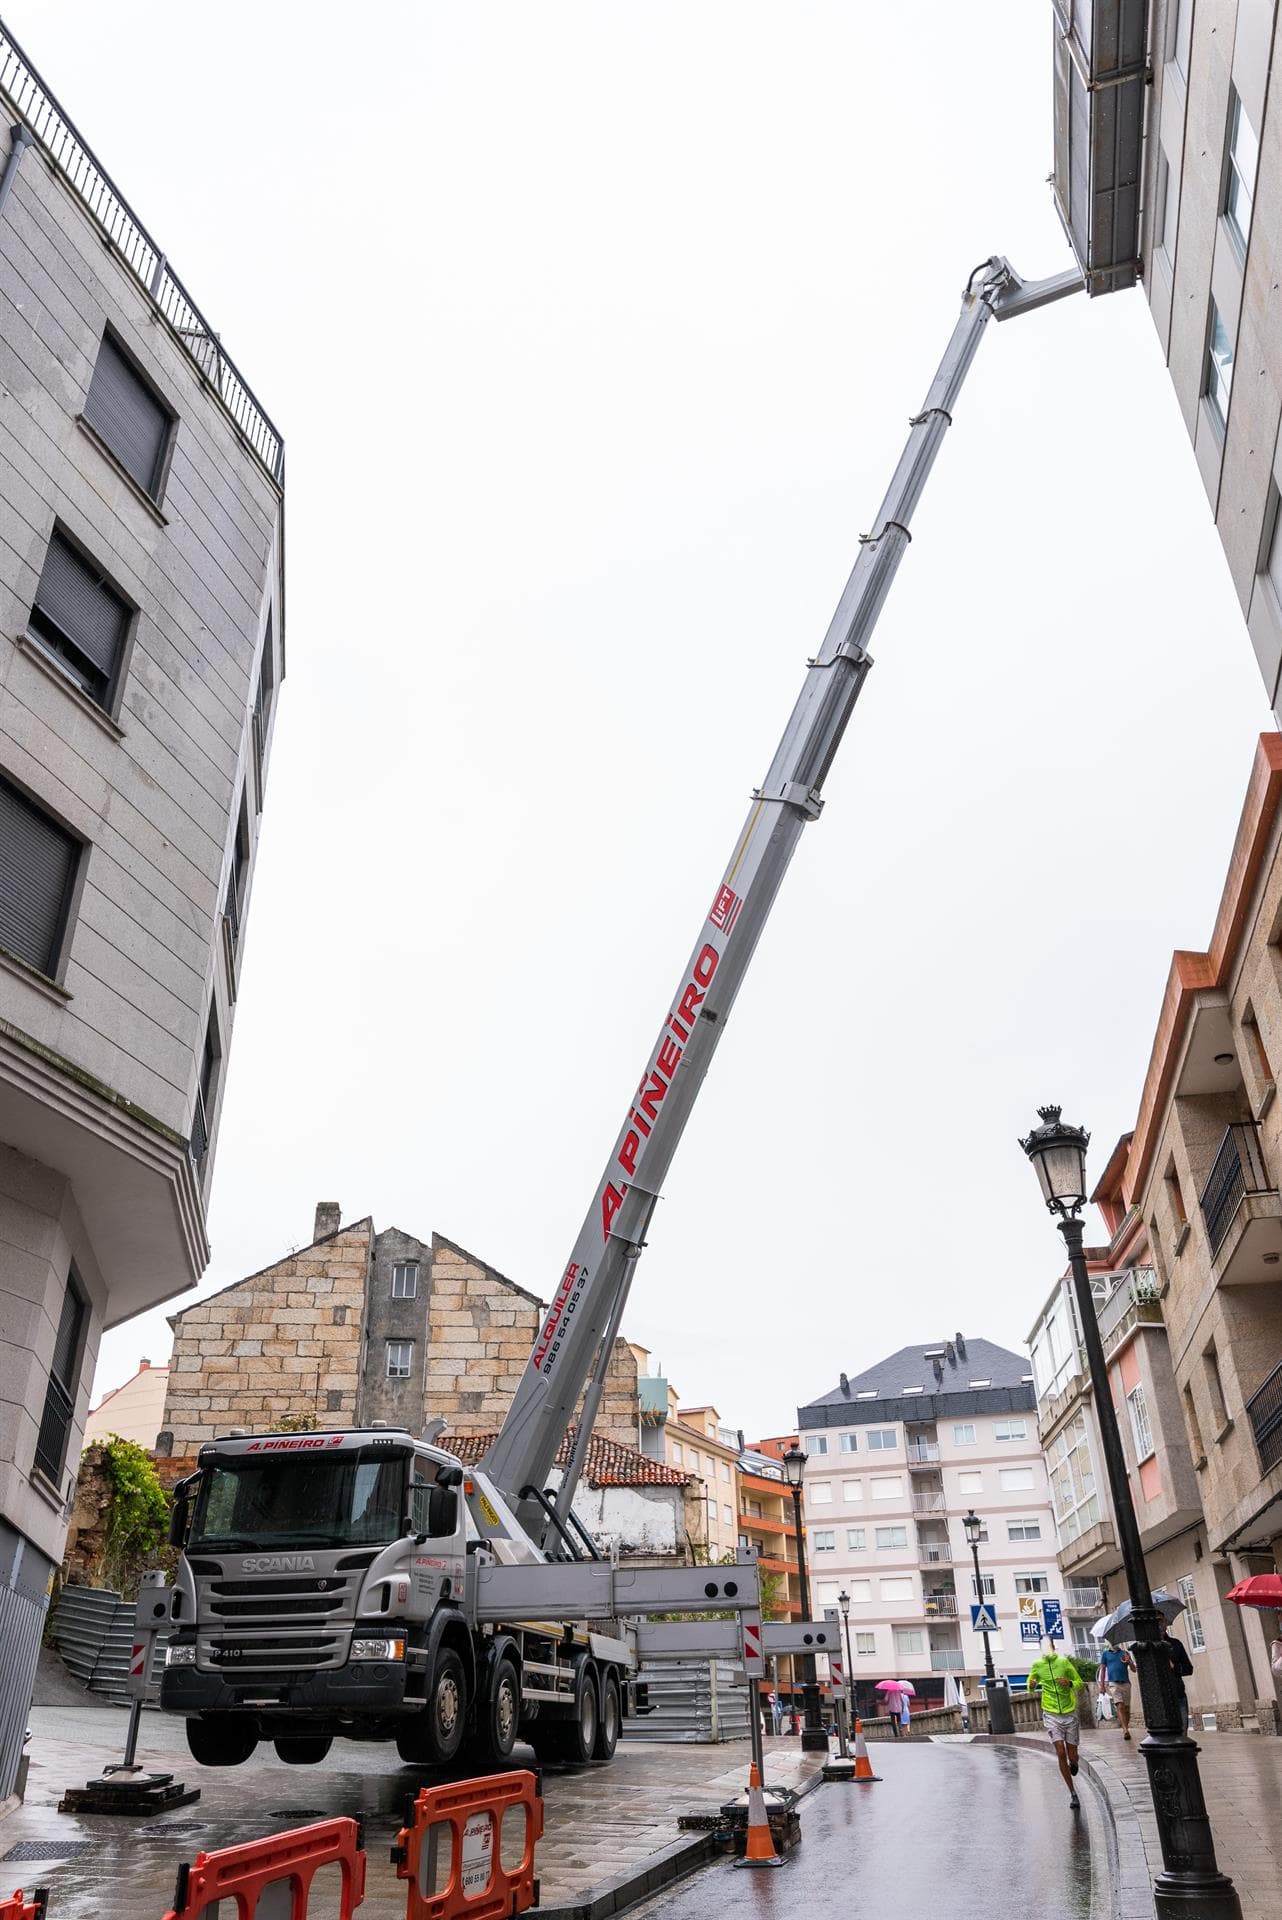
(971,1481)
(725,1471)
(1175,1195)
(820,1494)
(1194,1426)
(60,1394)
(910,1640)
(1011,1430)
(1218,382)
(1168,209)
(678,1458)
(854,1539)
(865,1643)
(1215,1388)
(1239,185)
(400,1357)
(824,1541)
(1032,1583)
(1192,1618)
(887,1486)
(896,1587)
(892,1536)
(818,1443)
(852,1489)
(38,862)
(1139,1423)
(206,1083)
(727,1516)
(262,710)
(1181,41)
(861,1592)
(826,1591)
(1023,1529)
(882,1440)
(1015,1479)
(79,619)
(236,879)
(964,1433)
(405,1280)
(128,416)
(849,1443)
(985,1588)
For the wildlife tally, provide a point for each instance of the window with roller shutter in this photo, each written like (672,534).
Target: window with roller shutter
(129,417)
(38,860)
(79,618)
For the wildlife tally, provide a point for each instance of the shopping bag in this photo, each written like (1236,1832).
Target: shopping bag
(1105,1707)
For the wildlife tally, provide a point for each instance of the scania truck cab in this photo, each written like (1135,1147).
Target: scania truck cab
(322,1592)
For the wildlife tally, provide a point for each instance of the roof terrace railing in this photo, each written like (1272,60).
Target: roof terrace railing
(57,136)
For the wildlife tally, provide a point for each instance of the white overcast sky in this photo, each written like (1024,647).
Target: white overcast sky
(593,332)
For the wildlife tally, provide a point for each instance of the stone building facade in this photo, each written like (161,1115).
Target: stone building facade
(365,1325)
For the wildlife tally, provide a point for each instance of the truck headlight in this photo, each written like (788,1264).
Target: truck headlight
(378,1650)
(180,1653)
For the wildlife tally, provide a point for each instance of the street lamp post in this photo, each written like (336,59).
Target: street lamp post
(1000,1717)
(813,1737)
(1190,1884)
(843,1601)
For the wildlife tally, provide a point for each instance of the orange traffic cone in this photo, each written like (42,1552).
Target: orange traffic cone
(760,1849)
(863,1765)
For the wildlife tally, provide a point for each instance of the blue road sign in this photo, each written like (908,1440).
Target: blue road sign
(1030,1630)
(1053,1616)
(983,1618)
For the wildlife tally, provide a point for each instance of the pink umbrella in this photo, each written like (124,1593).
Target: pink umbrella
(896,1686)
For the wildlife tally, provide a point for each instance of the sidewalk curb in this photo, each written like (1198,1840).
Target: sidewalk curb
(1130,1874)
(662,1869)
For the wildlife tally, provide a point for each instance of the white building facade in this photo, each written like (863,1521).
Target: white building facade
(897,1456)
(141,650)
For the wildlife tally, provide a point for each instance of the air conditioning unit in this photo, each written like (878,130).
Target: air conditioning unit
(1209,1723)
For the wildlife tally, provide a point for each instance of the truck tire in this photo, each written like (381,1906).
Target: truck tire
(303,1749)
(434,1736)
(611,1720)
(572,1740)
(221,1740)
(498,1718)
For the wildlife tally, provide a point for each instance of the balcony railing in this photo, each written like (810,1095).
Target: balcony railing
(928,1502)
(923,1453)
(947,1659)
(1083,1596)
(934,1553)
(1264,1410)
(104,203)
(940,1606)
(1134,1301)
(1239,1169)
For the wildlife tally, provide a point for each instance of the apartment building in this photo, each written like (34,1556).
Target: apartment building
(897,1455)
(767,1526)
(132,1411)
(1127,1298)
(696,1441)
(141,651)
(1178,184)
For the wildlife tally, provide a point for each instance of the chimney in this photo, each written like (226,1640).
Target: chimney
(938,1365)
(961,1345)
(329,1218)
(845,1385)
(143,1365)
(952,1354)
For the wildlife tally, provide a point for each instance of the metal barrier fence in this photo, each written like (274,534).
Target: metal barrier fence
(94,1630)
(103,201)
(695,1701)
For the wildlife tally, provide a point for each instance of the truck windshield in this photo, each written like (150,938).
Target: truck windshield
(296,1500)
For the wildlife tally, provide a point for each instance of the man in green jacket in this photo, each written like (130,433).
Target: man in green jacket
(1059,1682)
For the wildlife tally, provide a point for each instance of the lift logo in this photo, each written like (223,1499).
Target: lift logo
(725,909)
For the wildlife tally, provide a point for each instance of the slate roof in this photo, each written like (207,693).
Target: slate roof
(911,1367)
(609,1462)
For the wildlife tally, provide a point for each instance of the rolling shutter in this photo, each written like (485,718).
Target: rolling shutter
(125,411)
(81,604)
(37,866)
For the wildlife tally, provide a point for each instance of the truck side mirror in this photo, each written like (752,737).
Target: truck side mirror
(178,1517)
(442,1511)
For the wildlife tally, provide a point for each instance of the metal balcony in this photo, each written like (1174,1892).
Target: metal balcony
(1134,1301)
(1264,1410)
(934,1553)
(947,1659)
(929,1502)
(1083,1596)
(1238,1170)
(923,1453)
(940,1606)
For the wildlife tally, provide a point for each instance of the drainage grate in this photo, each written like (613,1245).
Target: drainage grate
(47,1849)
(177,1829)
(299,1813)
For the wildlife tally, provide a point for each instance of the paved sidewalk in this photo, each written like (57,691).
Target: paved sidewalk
(600,1821)
(1242,1783)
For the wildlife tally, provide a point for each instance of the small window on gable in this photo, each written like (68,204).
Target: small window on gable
(400,1359)
(129,417)
(79,618)
(405,1280)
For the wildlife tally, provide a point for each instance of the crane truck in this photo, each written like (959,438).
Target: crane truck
(363,1583)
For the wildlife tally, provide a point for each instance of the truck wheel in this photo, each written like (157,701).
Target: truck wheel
(303,1749)
(223,1740)
(447,1708)
(498,1717)
(573,1740)
(607,1733)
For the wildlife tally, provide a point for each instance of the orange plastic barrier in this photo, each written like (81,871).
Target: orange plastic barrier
(18,1907)
(290,1860)
(452,1855)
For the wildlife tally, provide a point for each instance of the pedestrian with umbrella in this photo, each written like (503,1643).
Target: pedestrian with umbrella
(1114,1628)
(893,1691)
(1263,1591)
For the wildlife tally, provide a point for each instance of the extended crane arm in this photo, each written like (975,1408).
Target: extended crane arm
(587,1306)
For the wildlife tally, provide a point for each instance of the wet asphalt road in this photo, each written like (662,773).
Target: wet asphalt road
(951,1832)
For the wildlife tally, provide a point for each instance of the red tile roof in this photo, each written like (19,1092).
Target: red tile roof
(609,1462)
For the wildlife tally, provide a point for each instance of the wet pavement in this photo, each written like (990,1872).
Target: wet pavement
(955,1830)
(600,1821)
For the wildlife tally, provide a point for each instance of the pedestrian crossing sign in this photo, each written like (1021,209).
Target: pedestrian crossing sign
(983,1619)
